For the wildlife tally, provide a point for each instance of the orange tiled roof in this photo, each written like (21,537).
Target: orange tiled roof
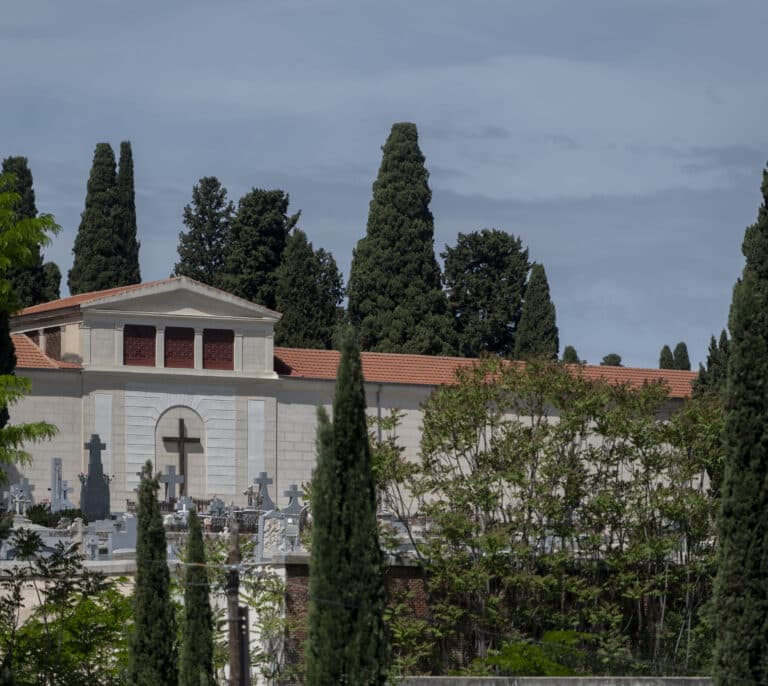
(29,356)
(434,371)
(75,300)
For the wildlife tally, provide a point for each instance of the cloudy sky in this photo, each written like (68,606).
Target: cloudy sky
(622,140)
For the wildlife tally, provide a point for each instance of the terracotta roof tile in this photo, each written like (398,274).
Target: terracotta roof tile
(29,356)
(434,371)
(75,300)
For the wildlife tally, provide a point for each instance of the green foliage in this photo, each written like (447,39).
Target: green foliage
(599,522)
(570,356)
(611,360)
(256,244)
(51,282)
(396,301)
(42,515)
(196,659)
(682,362)
(347,642)
(666,359)
(741,605)
(537,334)
(485,275)
(203,248)
(308,293)
(153,651)
(125,223)
(558,654)
(712,377)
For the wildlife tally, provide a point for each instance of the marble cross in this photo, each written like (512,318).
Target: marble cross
(170,479)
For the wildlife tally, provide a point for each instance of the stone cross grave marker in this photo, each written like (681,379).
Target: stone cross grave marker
(94,498)
(56,495)
(170,479)
(181,442)
(19,496)
(184,504)
(263,501)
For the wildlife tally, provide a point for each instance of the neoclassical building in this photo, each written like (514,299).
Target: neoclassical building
(187,376)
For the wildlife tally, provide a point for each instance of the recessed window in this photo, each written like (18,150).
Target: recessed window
(218,349)
(179,347)
(53,342)
(139,345)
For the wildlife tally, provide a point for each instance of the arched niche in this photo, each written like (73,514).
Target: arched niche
(175,422)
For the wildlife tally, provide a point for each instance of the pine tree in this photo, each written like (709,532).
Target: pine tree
(611,360)
(741,601)
(347,640)
(485,275)
(98,262)
(666,358)
(537,334)
(396,301)
(570,356)
(203,248)
(152,655)
(308,292)
(126,222)
(196,660)
(681,359)
(257,240)
(712,377)
(26,281)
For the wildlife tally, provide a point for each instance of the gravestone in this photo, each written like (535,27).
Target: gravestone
(19,497)
(94,496)
(59,488)
(170,479)
(263,501)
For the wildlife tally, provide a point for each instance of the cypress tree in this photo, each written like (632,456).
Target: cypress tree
(257,240)
(666,358)
(98,262)
(51,282)
(537,334)
(570,356)
(741,599)
(712,377)
(202,249)
(308,292)
(485,275)
(681,358)
(347,640)
(26,281)
(611,360)
(152,648)
(126,222)
(396,301)
(196,660)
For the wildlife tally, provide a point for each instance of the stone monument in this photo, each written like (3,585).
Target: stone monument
(94,497)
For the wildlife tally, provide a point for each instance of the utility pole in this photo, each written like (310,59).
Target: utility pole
(236,673)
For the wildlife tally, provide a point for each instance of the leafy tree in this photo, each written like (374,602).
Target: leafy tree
(153,654)
(308,293)
(611,360)
(537,334)
(570,356)
(196,660)
(347,642)
(256,244)
(485,275)
(741,604)
(126,217)
(712,378)
(666,359)
(98,261)
(681,359)
(203,248)
(51,282)
(396,301)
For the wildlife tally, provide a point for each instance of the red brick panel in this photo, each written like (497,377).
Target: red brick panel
(179,347)
(218,349)
(139,345)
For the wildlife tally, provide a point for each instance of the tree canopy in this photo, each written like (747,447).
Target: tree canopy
(126,217)
(537,333)
(666,359)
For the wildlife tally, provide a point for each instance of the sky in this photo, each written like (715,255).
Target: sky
(622,140)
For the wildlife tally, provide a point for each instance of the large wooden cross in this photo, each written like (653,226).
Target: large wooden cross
(182,441)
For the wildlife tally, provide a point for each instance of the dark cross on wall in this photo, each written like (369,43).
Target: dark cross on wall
(180,443)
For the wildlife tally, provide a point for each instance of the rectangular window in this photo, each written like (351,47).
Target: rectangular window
(53,342)
(218,349)
(33,336)
(179,347)
(139,345)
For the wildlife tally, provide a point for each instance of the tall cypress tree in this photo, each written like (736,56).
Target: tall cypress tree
(713,375)
(308,292)
(51,282)
(152,654)
(203,248)
(126,222)
(396,301)
(682,361)
(98,262)
(485,275)
(666,358)
(570,356)
(741,595)
(537,334)
(196,660)
(257,240)
(347,640)
(26,281)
